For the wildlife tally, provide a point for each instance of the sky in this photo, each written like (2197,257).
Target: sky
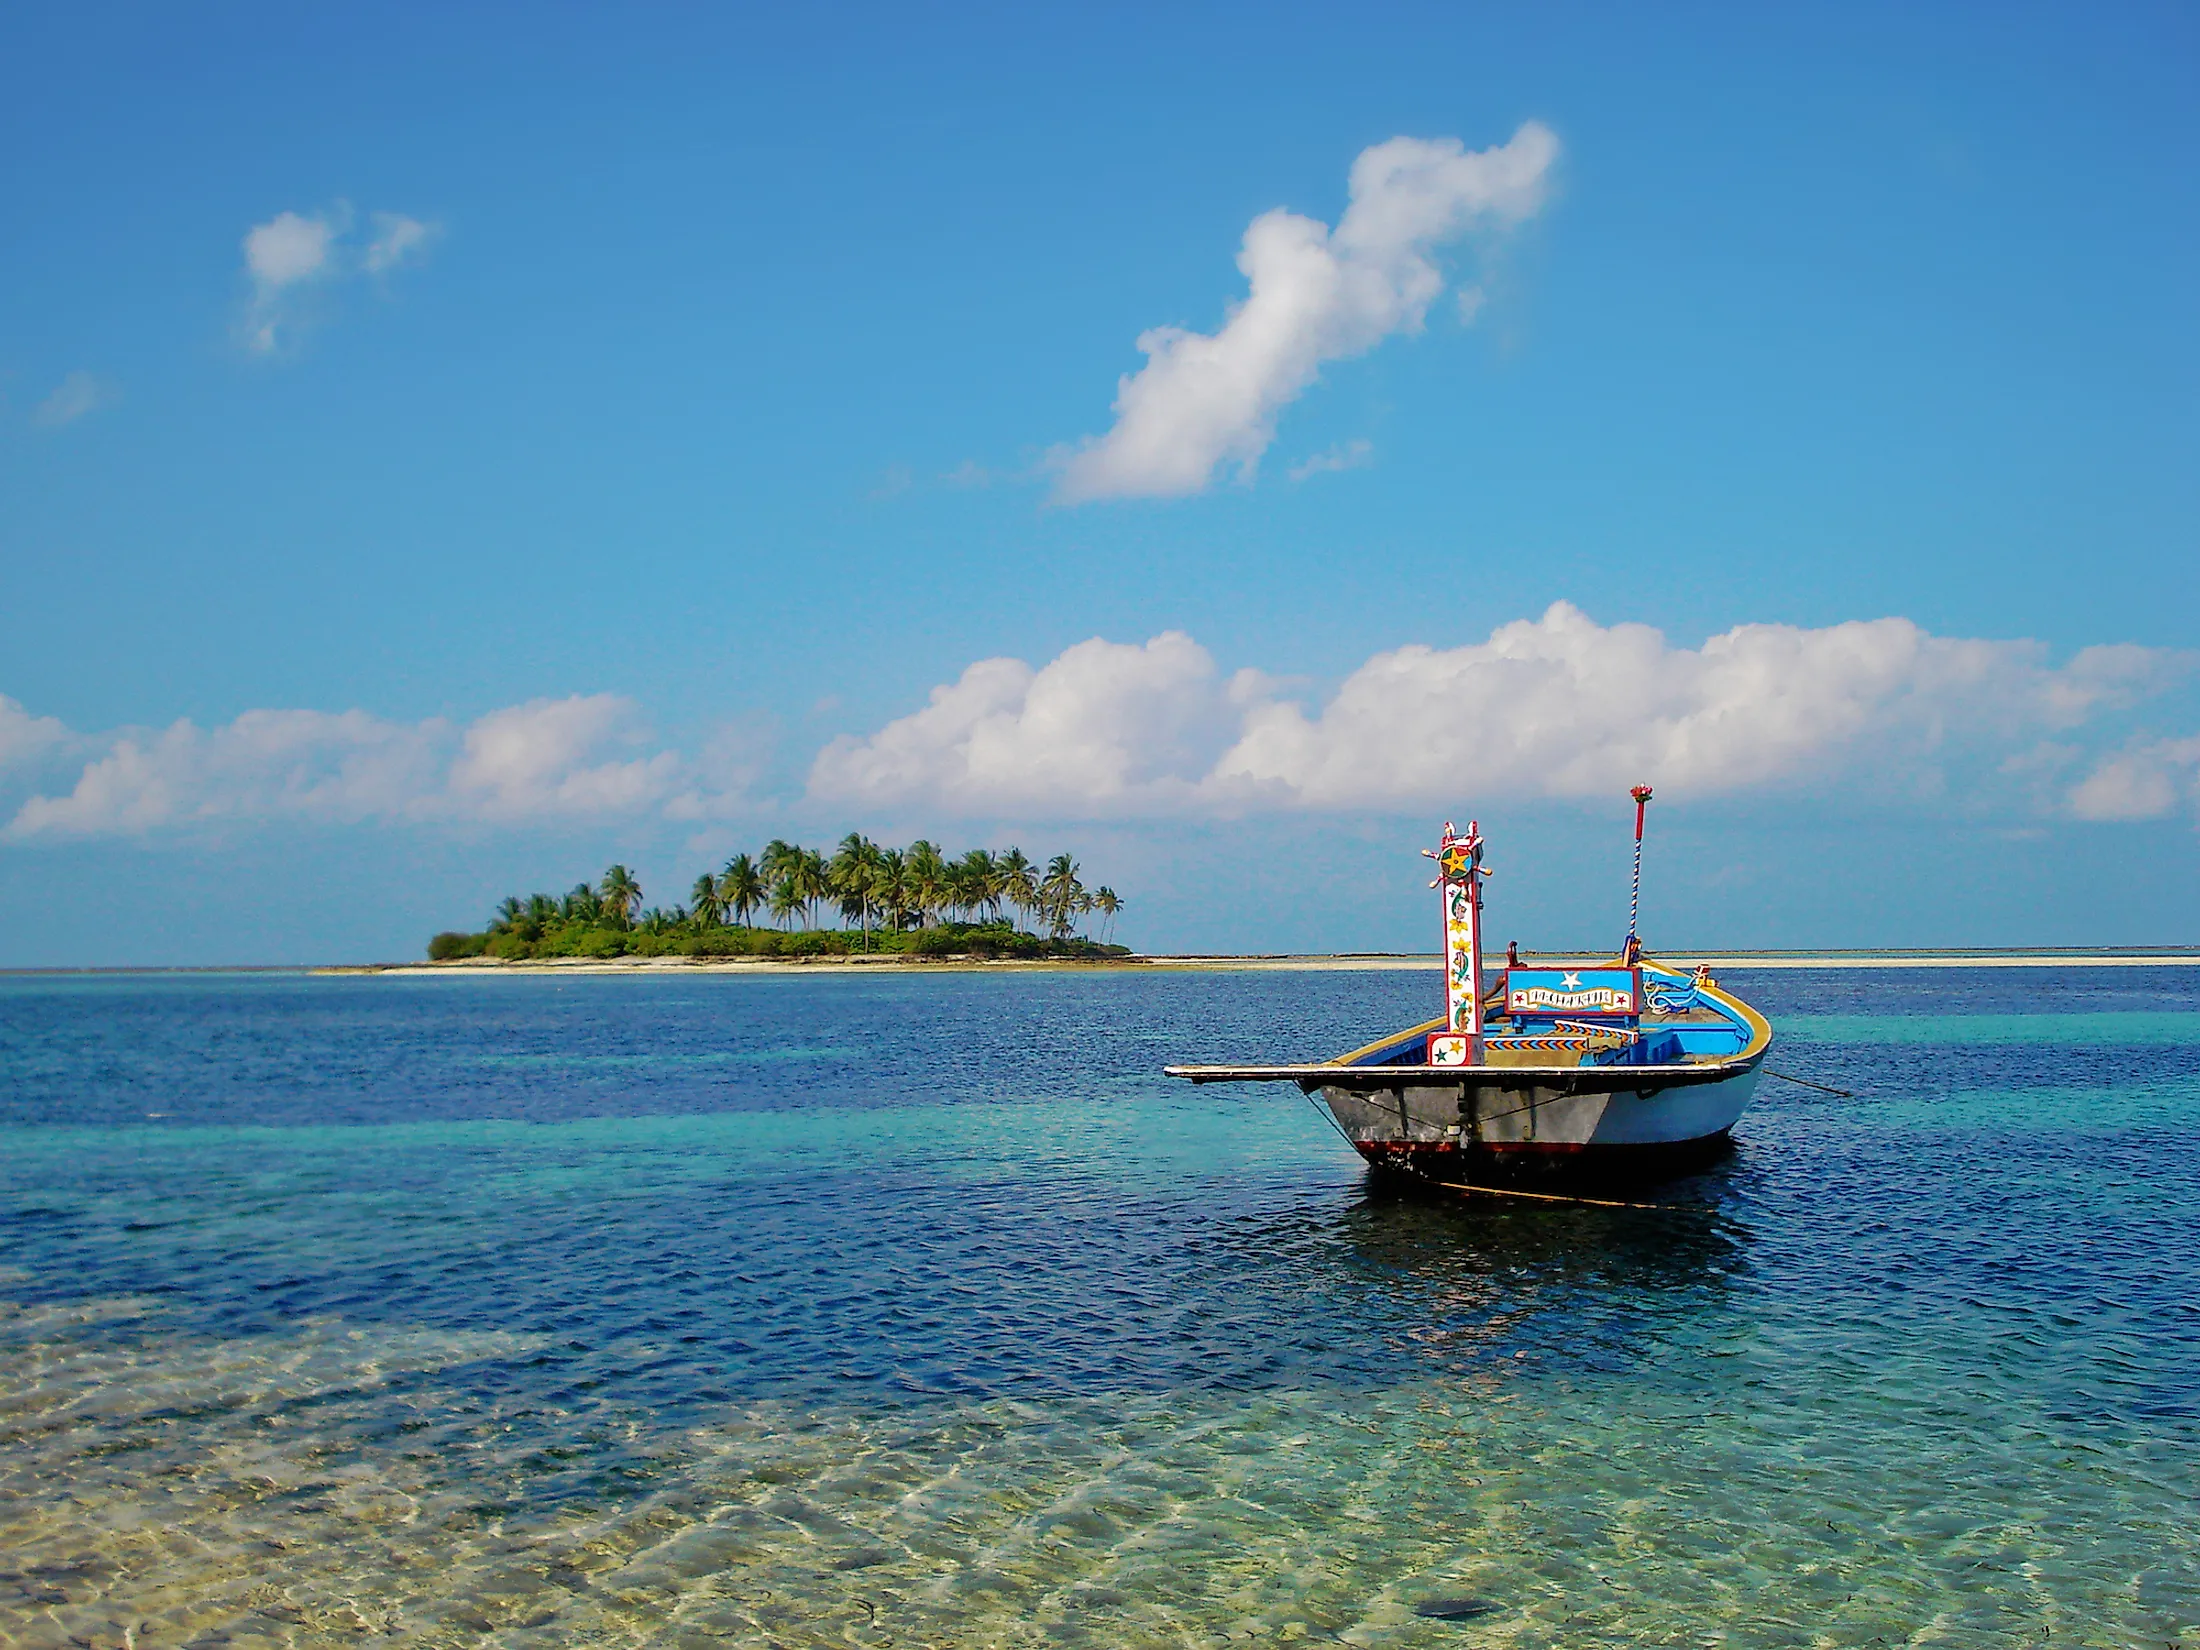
(444,450)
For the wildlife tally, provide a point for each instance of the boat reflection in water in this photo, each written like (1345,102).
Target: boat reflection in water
(1626,1071)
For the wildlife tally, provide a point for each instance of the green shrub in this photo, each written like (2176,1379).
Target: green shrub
(448,945)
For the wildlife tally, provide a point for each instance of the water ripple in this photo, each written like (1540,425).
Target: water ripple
(634,1311)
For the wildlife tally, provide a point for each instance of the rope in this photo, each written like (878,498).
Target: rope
(1559,1197)
(1329,1117)
(1805,1082)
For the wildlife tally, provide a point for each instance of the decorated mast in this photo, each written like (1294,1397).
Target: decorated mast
(1633,948)
(1459,877)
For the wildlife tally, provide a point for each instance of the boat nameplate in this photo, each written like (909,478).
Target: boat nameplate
(1601,993)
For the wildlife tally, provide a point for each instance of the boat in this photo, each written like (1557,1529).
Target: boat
(1625,1069)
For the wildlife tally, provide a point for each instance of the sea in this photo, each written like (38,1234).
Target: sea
(919,1309)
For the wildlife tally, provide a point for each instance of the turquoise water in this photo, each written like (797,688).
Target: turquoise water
(918,1310)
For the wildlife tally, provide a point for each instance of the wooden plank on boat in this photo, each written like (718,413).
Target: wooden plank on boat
(1257,1074)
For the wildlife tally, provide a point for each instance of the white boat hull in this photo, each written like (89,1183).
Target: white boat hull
(1547,1125)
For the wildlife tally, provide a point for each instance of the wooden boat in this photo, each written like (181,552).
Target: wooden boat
(1623,1070)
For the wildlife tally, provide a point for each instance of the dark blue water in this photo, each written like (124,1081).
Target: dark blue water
(546,1286)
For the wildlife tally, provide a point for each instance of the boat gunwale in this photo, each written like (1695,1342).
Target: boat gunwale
(1580,1079)
(1360,1077)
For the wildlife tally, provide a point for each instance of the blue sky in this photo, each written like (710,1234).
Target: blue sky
(442,453)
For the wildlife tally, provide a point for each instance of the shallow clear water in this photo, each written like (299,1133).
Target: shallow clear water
(918,1310)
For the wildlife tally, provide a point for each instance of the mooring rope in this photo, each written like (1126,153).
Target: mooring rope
(1560,1197)
(1805,1082)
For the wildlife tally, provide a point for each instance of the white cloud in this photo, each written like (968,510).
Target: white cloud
(75,396)
(24,737)
(397,241)
(1561,706)
(581,757)
(290,247)
(294,253)
(2144,781)
(1203,400)
(331,767)
(1355,454)
(1106,726)
(1552,707)
(546,757)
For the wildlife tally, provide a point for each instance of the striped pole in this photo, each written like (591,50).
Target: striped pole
(1459,880)
(1641,794)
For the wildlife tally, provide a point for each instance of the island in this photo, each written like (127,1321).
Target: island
(914,902)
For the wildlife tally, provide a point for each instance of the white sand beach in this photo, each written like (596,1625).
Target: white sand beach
(1343,962)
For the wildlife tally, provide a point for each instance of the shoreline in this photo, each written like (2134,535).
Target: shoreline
(1298,963)
(1189,962)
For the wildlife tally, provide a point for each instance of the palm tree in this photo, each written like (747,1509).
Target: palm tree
(776,859)
(1107,903)
(776,865)
(813,880)
(891,888)
(1014,873)
(1059,893)
(620,893)
(510,914)
(853,875)
(926,873)
(957,890)
(740,888)
(710,907)
(976,879)
(786,897)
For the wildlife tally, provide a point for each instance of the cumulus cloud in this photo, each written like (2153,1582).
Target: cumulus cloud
(290,247)
(582,757)
(545,757)
(330,767)
(1557,706)
(24,737)
(1106,726)
(294,254)
(1314,295)
(2147,780)
(77,395)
